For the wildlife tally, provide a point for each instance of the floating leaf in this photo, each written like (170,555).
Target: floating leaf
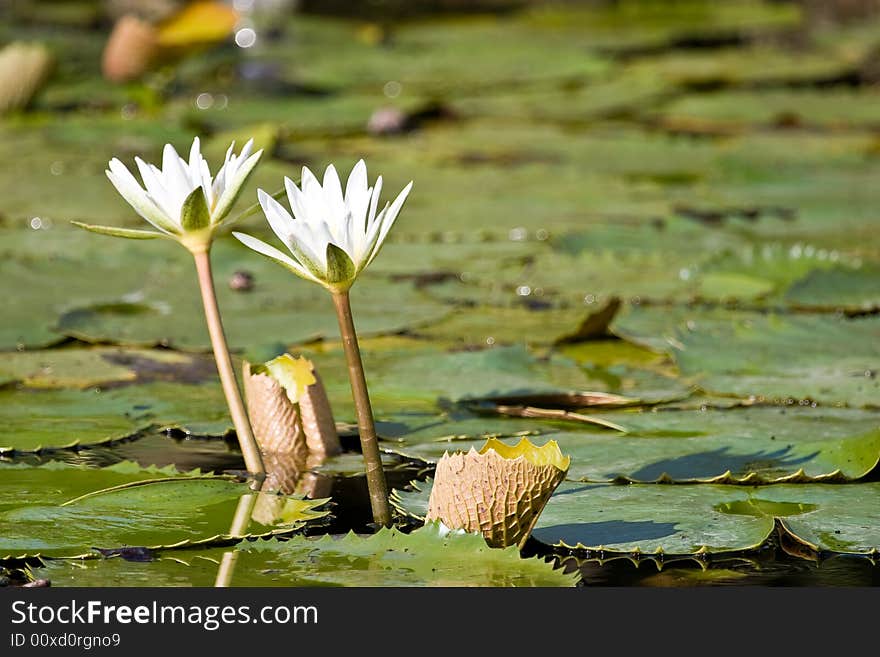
(842,519)
(84,367)
(69,418)
(678,520)
(748,445)
(778,357)
(387,558)
(828,107)
(55,482)
(157,513)
(637,518)
(848,289)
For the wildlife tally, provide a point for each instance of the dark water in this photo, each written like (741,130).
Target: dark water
(776,563)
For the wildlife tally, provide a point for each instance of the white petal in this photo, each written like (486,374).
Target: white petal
(333,192)
(388,219)
(233,186)
(309,244)
(246,151)
(176,174)
(297,200)
(132,192)
(313,193)
(374,202)
(277,216)
(357,180)
(152,179)
(270,251)
(357,202)
(195,157)
(309,184)
(372,239)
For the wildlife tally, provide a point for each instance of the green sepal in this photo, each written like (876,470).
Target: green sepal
(340,268)
(113,231)
(194,215)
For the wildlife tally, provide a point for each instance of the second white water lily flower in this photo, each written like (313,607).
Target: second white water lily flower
(332,236)
(182,200)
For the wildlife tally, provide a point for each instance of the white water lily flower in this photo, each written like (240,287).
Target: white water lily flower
(181,199)
(332,236)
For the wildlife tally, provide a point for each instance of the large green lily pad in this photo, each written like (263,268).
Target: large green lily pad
(159,512)
(432,57)
(826,359)
(844,520)
(388,558)
(831,108)
(146,294)
(644,518)
(33,420)
(847,289)
(760,273)
(748,445)
(55,482)
(85,367)
(677,520)
(412,377)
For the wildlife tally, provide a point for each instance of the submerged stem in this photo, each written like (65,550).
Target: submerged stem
(252,458)
(366,427)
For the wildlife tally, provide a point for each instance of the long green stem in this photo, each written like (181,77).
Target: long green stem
(366,427)
(250,450)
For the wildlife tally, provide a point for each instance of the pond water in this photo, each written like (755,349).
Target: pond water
(777,562)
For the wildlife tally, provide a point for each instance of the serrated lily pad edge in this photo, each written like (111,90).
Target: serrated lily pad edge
(702,555)
(76,445)
(219,540)
(750,479)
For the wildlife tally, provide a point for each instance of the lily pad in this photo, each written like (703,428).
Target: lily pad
(71,418)
(748,445)
(55,482)
(678,520)
(760,273)
(777,357)
(290,309)
(388,558)
(847,289)
(146,294)
(85,367)
(830,108)
(844,520)
(430,57)
(643,518)
(169,512)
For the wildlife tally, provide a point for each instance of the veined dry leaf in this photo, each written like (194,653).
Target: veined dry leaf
(499,491)
(289,409)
